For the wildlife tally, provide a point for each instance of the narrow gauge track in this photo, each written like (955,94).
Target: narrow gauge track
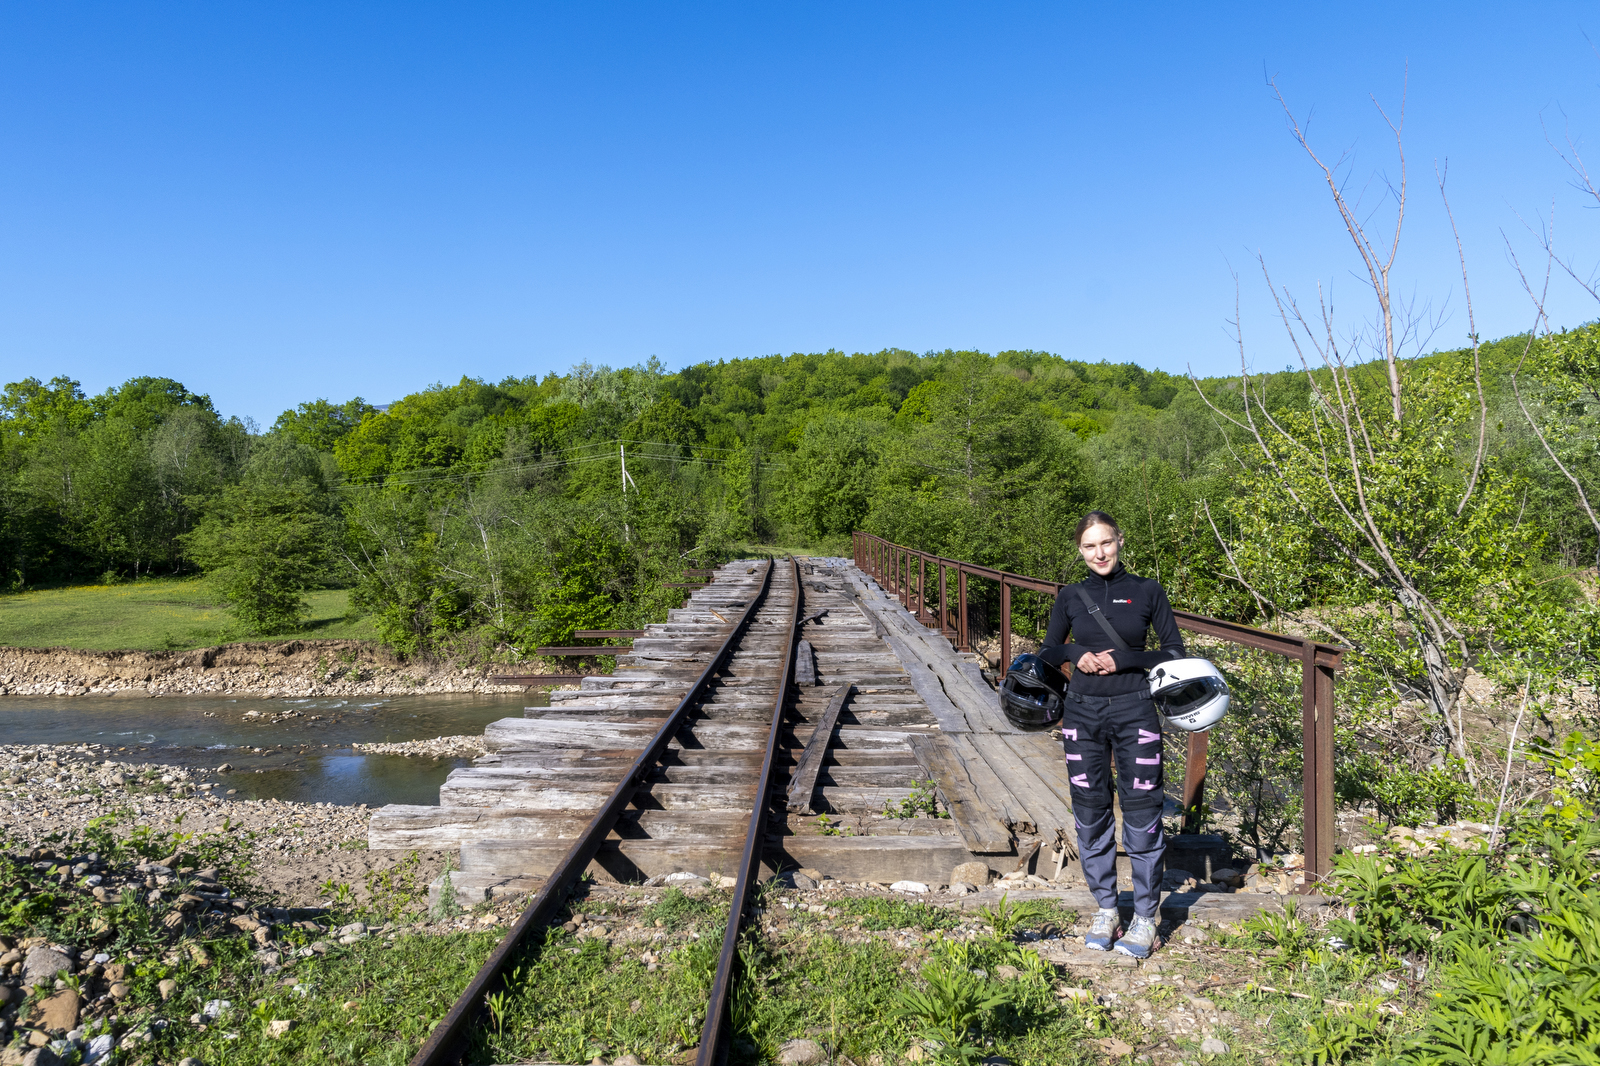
(767,629)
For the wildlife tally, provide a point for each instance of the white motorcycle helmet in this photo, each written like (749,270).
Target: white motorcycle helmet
(1189,694)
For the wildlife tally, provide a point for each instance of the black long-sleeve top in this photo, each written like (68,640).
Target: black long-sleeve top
(1133,605)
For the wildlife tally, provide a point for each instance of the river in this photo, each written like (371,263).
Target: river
(291,749)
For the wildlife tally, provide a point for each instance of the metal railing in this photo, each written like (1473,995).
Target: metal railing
(903,572)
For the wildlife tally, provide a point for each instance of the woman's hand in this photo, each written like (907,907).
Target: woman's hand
(1097,662)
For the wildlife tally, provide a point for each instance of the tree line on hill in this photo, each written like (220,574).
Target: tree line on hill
(499,513)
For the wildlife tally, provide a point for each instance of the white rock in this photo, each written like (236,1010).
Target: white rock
(1212,1046)
(908,886)
(801,1053)
(98,1048)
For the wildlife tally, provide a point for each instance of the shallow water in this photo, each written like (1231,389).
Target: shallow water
(292,749)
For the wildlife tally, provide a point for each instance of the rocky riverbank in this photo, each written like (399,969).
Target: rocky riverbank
(297,668)
(294,849)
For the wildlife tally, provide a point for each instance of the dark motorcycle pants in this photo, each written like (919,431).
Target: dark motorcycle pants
(1099,733)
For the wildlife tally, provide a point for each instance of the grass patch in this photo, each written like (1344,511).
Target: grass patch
(676,911)
(397,991)
(879,914)
(575,999)
(154,614)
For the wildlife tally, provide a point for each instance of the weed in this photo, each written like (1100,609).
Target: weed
(1343,1037)
(829,828)
(1005,917)
(446,905)
(497,1003)
(1286,933)
(948,1011)
(341,894)
(924,799)
(391,891)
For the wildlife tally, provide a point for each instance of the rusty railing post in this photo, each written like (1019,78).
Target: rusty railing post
(1322,680)
(1316,837)
(961,605)
(944,603)
(922,588)
(1194,781)
(902,574)
(1005,626)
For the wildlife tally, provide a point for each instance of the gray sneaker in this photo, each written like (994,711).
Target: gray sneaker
(1107,926)
(1141,939)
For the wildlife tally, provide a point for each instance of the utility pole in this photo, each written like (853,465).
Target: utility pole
(622,453)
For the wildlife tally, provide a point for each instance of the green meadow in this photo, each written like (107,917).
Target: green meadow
(151,615)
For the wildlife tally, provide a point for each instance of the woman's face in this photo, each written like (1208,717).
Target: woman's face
(1100,545)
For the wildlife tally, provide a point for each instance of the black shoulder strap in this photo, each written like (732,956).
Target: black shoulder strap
(1094,612)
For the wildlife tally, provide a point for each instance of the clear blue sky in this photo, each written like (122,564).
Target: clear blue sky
(274,202)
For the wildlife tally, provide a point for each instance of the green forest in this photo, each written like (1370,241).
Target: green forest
(497,515)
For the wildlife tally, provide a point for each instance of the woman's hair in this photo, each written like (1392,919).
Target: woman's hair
(1095,518)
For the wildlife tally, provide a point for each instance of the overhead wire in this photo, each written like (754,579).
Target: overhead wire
(566,460)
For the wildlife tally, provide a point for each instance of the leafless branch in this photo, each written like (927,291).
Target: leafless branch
(1472,332)
(1377,266)
(1516,388)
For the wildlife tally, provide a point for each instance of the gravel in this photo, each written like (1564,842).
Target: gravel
(49,789)
(297,668)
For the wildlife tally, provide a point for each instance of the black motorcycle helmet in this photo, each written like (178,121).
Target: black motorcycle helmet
(1031,694)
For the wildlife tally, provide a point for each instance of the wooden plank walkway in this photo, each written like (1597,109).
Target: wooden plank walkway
(895,705)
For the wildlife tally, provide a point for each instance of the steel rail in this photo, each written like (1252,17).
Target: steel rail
(443,1045)
(713,1045)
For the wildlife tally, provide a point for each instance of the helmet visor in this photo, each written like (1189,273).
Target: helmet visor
(1191,694)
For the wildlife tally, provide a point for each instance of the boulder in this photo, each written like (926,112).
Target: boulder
(1228,876)
(43,965)
(57,1013)
(970,873)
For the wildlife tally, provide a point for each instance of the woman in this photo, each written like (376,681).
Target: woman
(1109,719)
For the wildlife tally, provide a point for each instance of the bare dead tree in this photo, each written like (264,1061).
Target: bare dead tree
(1336,459)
